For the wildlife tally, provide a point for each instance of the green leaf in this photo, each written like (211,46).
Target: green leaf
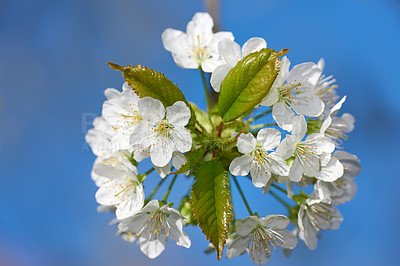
(148,82)
(246,85)
(193,157)
(211,203)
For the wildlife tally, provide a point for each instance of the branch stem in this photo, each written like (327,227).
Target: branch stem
(206,91)
(169,189)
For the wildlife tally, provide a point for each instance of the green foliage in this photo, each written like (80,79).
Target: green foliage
(211,202)
(185,210)
(148,82)
(193,157)
(248,83)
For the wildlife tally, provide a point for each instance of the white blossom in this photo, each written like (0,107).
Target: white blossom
(294,96)
(342,190)
(120,110)
(336,127)
(258,236)
(314,216)
(231,54)
(162,130)
(198,47)
(121,188)
(308,153)
(325,89)
(152,227)
(256,157)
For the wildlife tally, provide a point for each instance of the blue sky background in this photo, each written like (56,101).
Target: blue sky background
(53,69)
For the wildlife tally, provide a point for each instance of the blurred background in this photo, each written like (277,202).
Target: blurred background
(53,73)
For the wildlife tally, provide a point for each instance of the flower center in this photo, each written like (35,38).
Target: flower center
(320,214)
(286,93)
(163,128)
(156,225)
(199,51)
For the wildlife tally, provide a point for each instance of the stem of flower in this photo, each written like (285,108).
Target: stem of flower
(203,129)
(155,190)
(279,188)
(260,115)
(241,193)
(206,92)
(279,199)
(262,125)
(142,177)
(169,189)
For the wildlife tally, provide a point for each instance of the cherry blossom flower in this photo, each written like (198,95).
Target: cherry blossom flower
(198,47)
(231,54)
(294,95)
(314,216)
(121,113)
(307,154)
(336,127)
(122,188)
(262,234)
(162,130)
(152,227)
(342,190)
(256,157)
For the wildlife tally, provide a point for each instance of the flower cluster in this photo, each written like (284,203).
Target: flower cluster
(302,150)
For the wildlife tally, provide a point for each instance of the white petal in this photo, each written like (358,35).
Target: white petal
(181,139)
(283,73)
(185,61)
(259,252)
(269,138)
(178,114)
(176,233)
(199,28)
(240,166)
(178,160)
(260,176)
(163,171)
(287,147)
(279,166)
(230,52)
(105,195)
(286,239)
(307,74)
(332,171)
(111,93)
(237,246)
(337,106)
(245,226)
(175,41)
(296,171)
(161,151)
(152,110)
(299,127)
(271,98)
(308,104)
(283,115)
(218,76)
(321,64)
(308,233)
(218,37)
(152,248)
(209,65)
(246,143)
(253,45)
(275,221)
(142,135)
(132,205)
